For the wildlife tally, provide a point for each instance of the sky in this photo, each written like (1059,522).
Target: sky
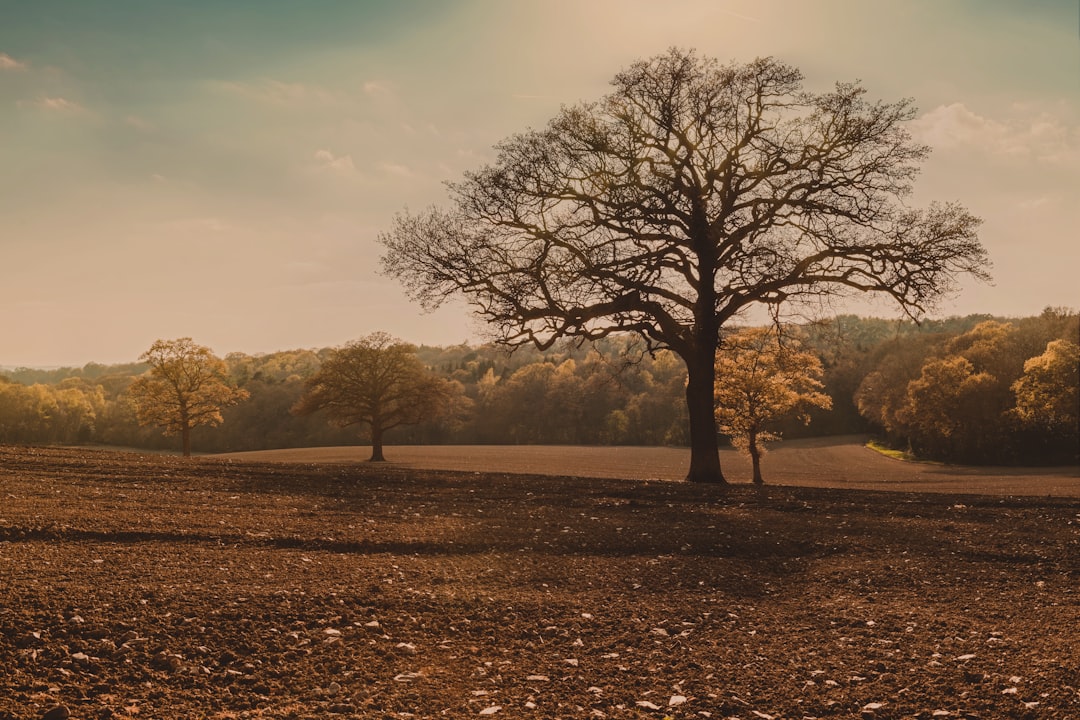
(221,169)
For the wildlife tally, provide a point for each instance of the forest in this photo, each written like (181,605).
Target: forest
(975,389)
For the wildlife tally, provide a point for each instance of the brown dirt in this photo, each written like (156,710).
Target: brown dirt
(819,462)
(137,587)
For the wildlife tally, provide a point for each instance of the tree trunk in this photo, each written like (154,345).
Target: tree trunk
(185,440)
(376,444)
(755,457)
(704,446)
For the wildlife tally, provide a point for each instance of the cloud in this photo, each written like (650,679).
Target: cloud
(53,104)
(399,170)
(373,88)
(138,123)
(1030,135)
(276,92)
(9,63)
(341,164)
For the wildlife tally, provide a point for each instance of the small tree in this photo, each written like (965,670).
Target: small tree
(763,379)
(692,192)
(376,381)
(185,387)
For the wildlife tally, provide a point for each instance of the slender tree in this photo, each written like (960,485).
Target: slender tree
(185,387)
(376,381)
(762,379)
(690,193)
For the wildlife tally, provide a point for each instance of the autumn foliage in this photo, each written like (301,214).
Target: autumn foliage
(376,381)
(913,385)
(186,386)
(764,377)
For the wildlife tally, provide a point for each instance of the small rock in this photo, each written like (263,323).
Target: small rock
(341,709)
(491,710)
(58,712)
(27,640)
(676,700)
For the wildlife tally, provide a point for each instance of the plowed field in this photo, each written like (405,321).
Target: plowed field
(136,587)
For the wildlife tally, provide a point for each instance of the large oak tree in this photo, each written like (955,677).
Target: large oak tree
(379,382)
(690,193)
(185,387)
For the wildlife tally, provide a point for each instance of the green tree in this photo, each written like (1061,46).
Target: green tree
(376,381)
(692,192)
(186,386)
(763,379)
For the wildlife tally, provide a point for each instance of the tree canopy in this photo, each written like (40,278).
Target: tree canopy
(690,193)
(186,386)
(376,381)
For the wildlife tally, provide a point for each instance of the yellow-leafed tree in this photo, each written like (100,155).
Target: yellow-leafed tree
(1048,393)
(763,378)
(185,387)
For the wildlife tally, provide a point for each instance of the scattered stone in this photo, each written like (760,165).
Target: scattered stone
(341,709)
(57,712)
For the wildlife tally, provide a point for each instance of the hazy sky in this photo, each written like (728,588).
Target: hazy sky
(220,169)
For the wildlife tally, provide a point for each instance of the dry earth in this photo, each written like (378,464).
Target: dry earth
(820,462)
(136,587)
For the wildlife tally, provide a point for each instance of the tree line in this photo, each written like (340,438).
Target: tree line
(661,212)
(972,389)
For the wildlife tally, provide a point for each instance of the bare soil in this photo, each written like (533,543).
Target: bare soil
(136,586)
(835,462)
